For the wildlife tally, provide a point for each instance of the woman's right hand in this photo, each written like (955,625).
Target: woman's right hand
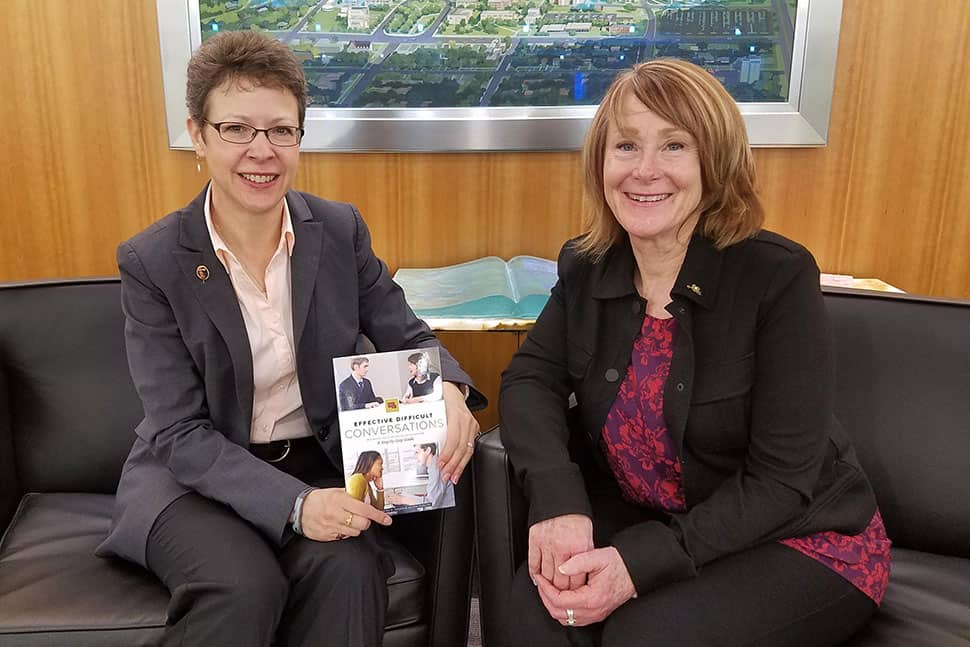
(554,541)
(327,511)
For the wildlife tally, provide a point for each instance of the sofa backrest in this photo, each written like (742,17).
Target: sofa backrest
(68,408)
(903,395)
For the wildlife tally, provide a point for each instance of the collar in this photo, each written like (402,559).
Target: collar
(219,245)
(697,280)
(194,234)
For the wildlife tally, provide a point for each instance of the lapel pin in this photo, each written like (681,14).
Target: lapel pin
(202,272)
(693,287)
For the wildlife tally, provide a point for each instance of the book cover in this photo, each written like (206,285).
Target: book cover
(392,428)
(486,287)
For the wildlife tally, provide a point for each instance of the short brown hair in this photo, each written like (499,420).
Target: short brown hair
(691,98)
(242,55)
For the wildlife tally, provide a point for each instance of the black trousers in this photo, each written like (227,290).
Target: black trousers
(768,596)
(232,587)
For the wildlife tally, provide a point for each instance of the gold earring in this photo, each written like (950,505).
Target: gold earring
(198,163)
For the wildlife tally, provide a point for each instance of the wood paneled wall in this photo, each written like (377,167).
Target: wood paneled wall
(86,162)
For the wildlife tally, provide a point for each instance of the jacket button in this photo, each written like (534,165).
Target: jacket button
(612,375)
(636,308)
(681,309)
(324,433)
(680,386)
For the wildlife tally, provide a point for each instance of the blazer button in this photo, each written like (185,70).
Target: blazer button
(324,433)
(612,375)
(680,386)
(637,307)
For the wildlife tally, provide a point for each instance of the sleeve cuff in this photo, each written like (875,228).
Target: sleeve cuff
(653,556)
(298,511)
(558,492)
(474,399)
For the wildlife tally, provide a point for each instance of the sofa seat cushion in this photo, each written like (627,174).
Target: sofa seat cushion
(925,605)
(51,581)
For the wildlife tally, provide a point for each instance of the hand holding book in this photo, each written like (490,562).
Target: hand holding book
(330,514)
(460,439)
(406,454)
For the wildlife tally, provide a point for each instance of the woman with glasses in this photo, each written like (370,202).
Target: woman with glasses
(233,492)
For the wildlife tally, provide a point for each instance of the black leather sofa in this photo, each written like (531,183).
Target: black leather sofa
(67,416)
(903,377)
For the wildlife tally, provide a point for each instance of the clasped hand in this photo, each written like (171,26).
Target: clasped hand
(570,573)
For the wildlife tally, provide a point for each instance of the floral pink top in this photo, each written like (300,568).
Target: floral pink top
(644,461)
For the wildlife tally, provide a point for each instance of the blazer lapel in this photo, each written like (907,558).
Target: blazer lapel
(305,262)
(218,300)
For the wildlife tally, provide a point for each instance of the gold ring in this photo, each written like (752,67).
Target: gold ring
(570,617)
(350,519)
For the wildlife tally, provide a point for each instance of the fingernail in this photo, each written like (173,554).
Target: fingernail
(560,570)
(387,520)
(454,481)
(446,477)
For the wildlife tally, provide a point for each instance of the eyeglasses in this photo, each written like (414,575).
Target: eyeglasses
(236,133)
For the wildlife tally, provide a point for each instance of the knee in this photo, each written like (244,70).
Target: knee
(253,593)
(524,594)
(259,586)
(524,603)
(352,562)
(638,621)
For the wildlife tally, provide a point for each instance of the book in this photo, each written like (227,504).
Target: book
(486,287)
(849,281)
(391,414)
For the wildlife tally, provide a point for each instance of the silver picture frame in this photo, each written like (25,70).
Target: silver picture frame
(801,121)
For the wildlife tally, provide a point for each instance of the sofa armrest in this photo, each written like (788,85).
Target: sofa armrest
(442,540)
(502,535)
(10,492)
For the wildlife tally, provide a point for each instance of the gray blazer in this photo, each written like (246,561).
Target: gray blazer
(189,357)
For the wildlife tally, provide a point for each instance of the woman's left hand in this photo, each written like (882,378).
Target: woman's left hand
(462,431)
(608,586)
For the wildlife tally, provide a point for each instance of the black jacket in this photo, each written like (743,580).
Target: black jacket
(748,402)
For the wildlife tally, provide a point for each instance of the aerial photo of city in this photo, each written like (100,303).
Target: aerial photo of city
(477,53)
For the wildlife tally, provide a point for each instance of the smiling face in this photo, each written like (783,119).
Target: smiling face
(651,176)
(248,180)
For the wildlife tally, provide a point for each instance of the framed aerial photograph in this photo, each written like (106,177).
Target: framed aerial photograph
(489,75)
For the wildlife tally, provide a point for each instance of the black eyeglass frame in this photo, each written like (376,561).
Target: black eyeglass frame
(218,128)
